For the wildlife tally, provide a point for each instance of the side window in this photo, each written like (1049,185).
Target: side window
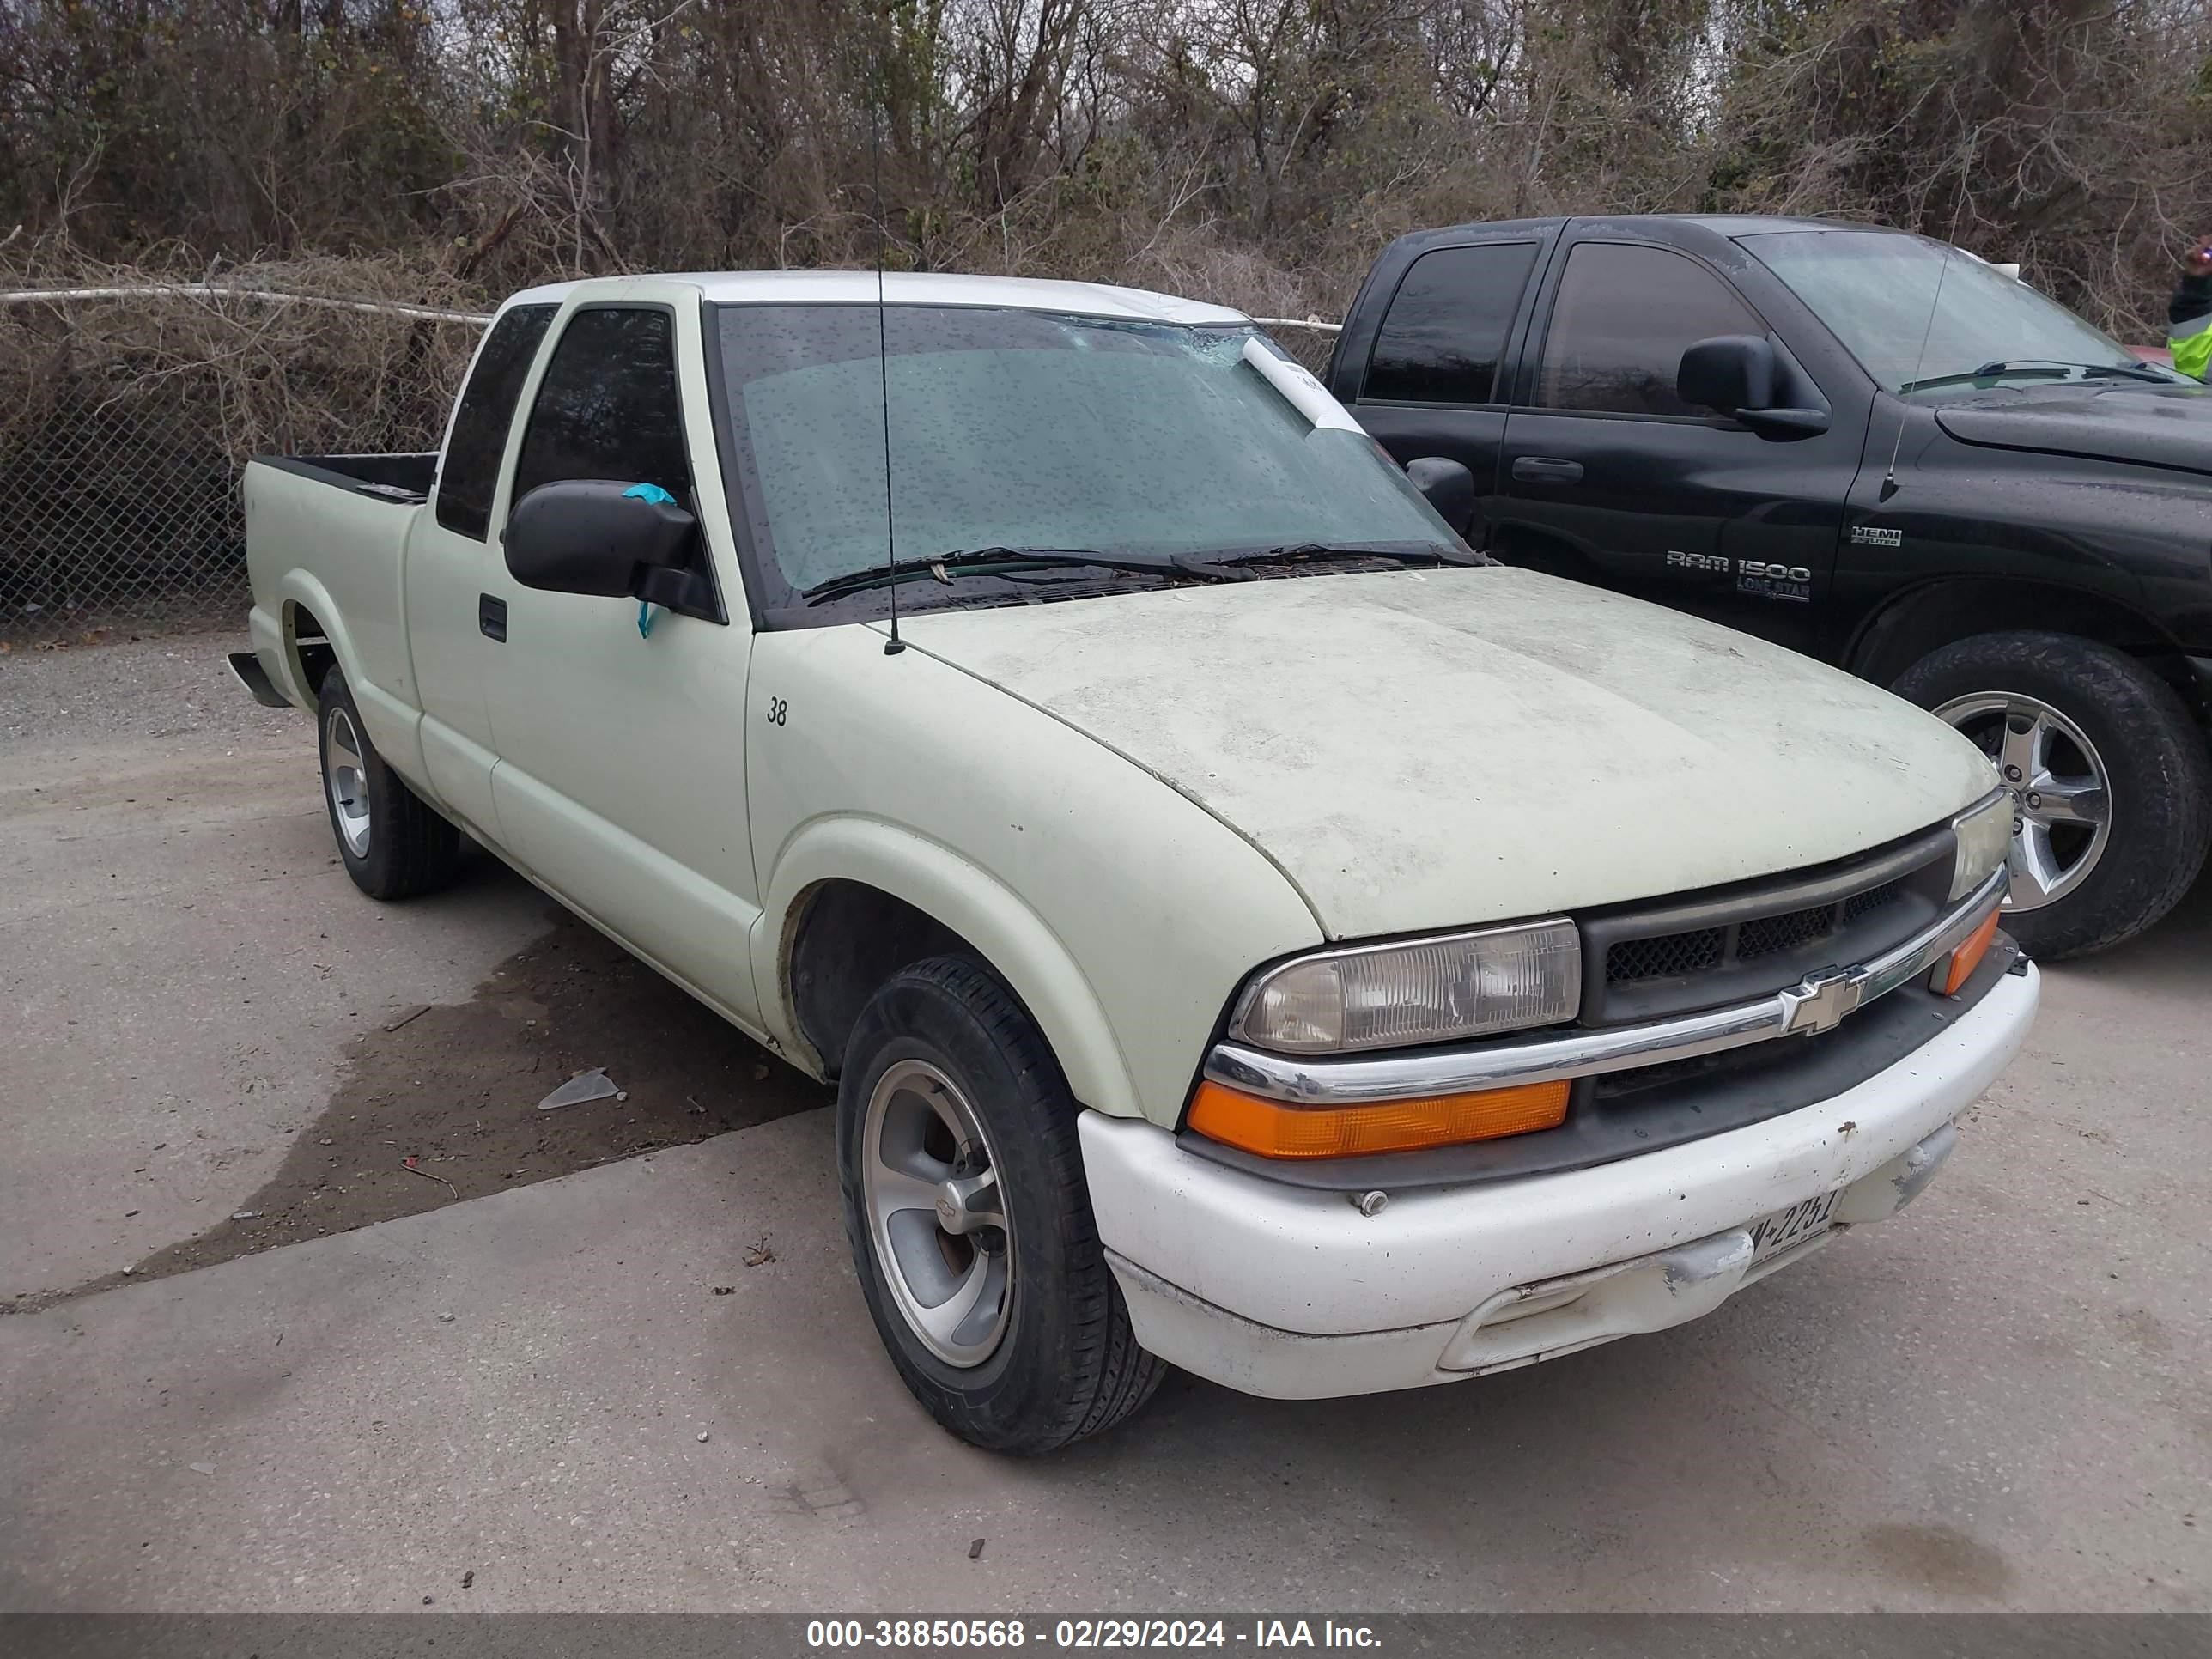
(607,407)
(1622,320)
(1441,338)
(471,470)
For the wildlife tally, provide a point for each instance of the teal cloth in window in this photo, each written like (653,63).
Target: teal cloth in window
(654,493)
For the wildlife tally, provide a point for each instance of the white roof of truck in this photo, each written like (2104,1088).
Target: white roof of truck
(902,288)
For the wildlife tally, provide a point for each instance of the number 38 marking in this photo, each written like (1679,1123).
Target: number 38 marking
(777,709)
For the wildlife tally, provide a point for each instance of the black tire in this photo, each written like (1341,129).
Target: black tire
(410,849)
(2157,772)
(1067,1365)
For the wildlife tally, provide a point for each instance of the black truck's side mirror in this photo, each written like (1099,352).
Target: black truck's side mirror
(1743,376)
(1447,486)
(593,536)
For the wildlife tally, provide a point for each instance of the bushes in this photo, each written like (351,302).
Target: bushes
(1255,151)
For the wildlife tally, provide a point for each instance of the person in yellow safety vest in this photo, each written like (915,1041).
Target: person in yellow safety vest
(2189,314)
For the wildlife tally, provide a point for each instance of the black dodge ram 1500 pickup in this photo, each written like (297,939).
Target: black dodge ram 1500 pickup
(1862,444)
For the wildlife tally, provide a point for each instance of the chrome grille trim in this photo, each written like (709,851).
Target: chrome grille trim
(1814,1004)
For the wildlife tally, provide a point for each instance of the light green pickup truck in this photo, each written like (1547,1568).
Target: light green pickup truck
(1247,930)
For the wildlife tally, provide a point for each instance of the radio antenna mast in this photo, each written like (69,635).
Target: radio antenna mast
(893,646)
(1889,477)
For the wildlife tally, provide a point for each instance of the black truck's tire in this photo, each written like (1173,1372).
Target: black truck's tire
(2150,753)
(392,843)
(1050,1358)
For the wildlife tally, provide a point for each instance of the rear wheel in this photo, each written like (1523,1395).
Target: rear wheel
(969,1221)
(2110,785)
(392,843)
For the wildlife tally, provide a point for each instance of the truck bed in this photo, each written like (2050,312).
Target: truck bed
(325,543)
(405,479)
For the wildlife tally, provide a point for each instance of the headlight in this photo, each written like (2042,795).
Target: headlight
(1983,832)
(1388,996)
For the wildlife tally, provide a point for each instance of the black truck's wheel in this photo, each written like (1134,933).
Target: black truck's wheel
(969,1221)
(394,845)
(2109,776)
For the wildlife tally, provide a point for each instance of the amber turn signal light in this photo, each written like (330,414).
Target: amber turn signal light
(1968,957)
(1274,1129)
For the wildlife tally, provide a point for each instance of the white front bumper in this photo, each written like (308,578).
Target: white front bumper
(1291,1293)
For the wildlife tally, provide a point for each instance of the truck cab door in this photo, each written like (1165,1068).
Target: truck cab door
(1609,477)
(1424,380)
(621,733)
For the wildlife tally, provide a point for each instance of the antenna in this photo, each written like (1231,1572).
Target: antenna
(1889,477)
(893,646)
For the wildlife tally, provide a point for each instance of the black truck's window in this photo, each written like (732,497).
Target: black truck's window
(608,407)
(473,453)
(1622,320)
(1440,340)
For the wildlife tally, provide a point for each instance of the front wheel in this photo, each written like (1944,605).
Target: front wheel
(969,1220)
(2110,785)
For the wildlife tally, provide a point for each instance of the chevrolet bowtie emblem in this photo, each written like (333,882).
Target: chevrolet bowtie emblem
(1819,1004)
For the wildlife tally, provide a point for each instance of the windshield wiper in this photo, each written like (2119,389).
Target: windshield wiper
(977,561)
(1315,551)
(2053,367)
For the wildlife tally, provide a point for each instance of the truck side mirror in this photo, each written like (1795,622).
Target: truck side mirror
(592,536)
(1741,375)
(1728,373)
(1447,487)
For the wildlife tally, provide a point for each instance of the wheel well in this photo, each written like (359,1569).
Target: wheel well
(848,939)
(1926,618)
(312,655)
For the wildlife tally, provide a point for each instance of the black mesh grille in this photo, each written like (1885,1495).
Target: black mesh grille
(1746,940)
(1768,935)
(1667,957)
(1859,906)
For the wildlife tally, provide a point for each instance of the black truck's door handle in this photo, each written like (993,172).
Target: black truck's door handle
(1545,469)
(491,617)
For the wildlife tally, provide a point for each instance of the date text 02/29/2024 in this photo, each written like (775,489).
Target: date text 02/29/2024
(833,1634)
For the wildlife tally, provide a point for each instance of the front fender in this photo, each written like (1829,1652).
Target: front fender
(937,881)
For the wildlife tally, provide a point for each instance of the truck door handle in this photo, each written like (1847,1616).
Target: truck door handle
(1546,468)
(491,617)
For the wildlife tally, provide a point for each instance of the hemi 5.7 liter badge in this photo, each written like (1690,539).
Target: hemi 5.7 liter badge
(1868,535)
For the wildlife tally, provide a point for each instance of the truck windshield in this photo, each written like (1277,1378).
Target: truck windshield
(1158,447)
(1874,289)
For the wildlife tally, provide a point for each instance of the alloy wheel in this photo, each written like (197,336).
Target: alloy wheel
(346,777)
(936,1217)
(2061,792)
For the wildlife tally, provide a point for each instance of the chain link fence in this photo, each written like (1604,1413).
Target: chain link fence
(127,411)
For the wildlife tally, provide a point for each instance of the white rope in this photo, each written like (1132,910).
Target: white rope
(217,291)
(273,296)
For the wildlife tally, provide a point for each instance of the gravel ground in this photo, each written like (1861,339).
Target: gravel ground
(166,686)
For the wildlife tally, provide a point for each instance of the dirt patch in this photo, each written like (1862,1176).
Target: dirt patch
(440,1103)
(1939,1559)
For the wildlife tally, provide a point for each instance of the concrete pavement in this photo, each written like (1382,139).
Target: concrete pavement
(2000,1401)
(180,961)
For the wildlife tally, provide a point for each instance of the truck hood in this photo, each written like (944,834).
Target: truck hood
(1417,750)
(2149,425)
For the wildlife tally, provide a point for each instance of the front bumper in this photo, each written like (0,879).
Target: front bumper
(1293,1293)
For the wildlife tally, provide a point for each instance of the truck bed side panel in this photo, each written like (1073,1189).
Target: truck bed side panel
(338,553)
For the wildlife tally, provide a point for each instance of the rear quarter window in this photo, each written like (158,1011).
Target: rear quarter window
(471,470)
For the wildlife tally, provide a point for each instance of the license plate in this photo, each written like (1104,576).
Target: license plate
(1773,1234)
